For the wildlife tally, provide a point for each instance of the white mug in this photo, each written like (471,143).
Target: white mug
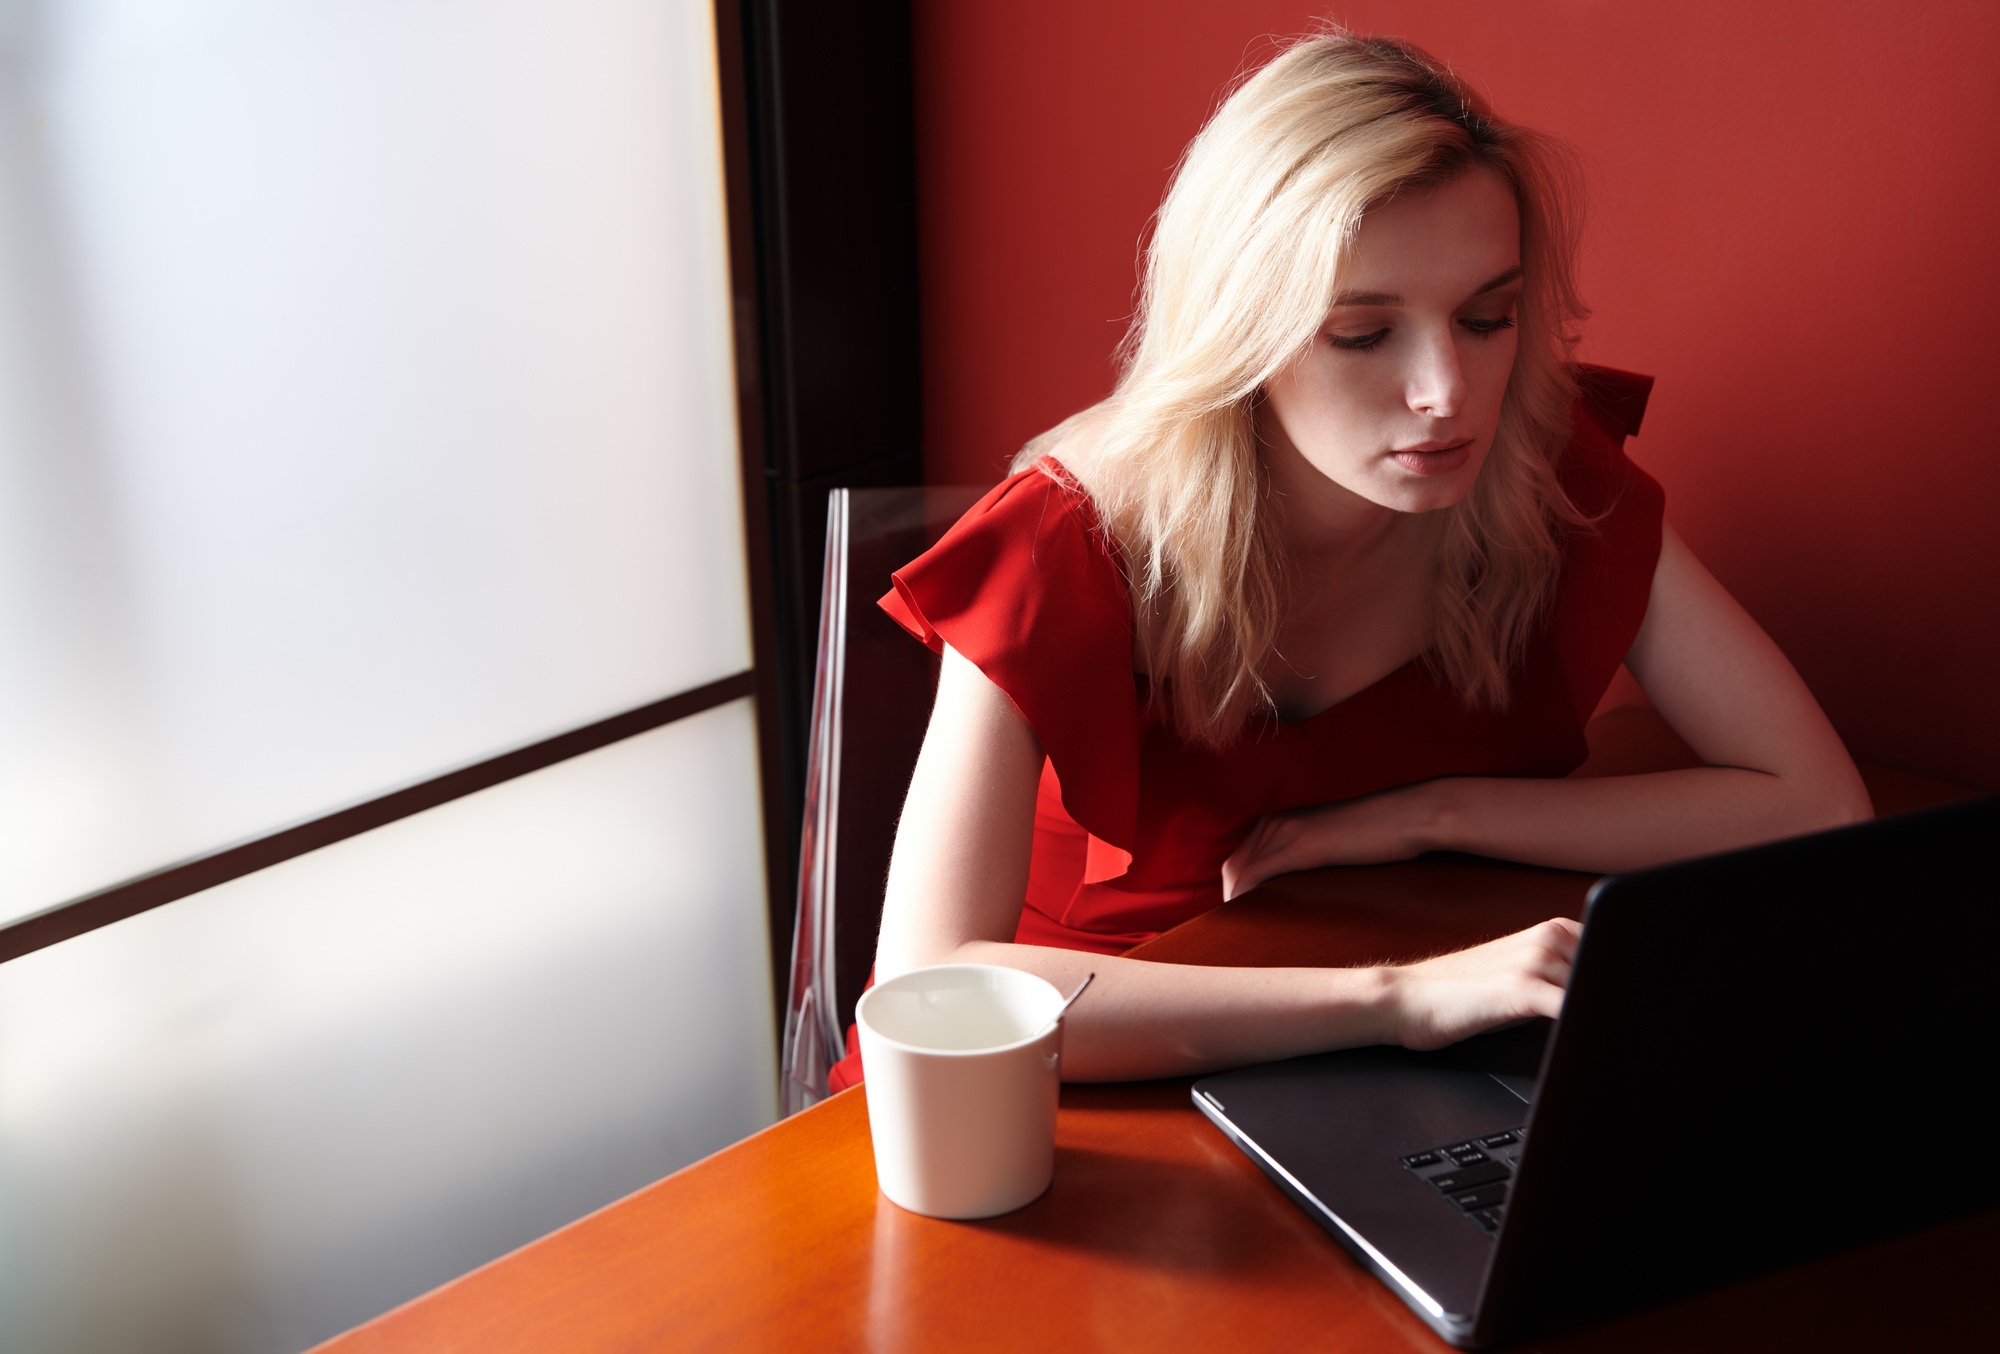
(963,1065)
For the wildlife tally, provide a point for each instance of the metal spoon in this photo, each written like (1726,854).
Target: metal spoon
(1071,1001)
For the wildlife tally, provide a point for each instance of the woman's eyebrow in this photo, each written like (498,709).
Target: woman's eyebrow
(1383,298)
(1502,280)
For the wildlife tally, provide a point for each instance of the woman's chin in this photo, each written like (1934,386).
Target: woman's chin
(1414,494)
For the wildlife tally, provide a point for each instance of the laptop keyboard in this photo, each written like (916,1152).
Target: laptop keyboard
(1473,1173)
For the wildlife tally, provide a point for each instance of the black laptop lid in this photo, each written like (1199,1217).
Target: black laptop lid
(1764,1056)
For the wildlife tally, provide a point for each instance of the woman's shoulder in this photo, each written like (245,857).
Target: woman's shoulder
(1594,470)
(1027,570)
(1026,586)
(1030,496)
(1036,530)
(1608,562)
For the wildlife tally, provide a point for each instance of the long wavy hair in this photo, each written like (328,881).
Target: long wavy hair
(1239,276)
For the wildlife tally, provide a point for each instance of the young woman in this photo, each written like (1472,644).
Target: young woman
(1335,576)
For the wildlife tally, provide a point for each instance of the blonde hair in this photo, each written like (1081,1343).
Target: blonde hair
(1239,277)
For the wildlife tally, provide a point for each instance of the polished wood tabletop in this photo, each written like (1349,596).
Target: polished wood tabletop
(1156,1233)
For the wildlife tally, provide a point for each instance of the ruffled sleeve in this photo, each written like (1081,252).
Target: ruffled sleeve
(1607,578)
(1025,586)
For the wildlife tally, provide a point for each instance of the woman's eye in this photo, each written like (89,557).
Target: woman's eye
(1357,342)
(1485,328)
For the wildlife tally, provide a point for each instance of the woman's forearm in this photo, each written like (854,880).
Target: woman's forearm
(1158,1020)
(1600,825)
(1624,822)
(1142,1020)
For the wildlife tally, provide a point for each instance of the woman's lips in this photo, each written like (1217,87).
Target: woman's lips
(1434,460)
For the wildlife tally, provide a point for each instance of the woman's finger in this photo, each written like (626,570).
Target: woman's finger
(1547,999)
(1238,870)
(1565,934)
(1551,969)
(1261,856)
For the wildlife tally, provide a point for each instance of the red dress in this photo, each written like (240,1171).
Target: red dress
(1132,824)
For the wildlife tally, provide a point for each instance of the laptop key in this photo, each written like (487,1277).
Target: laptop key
(1470,1156)
(1489,1218)
(1499,1140)
(1423,1159)
(1487,1196)
(1471,1177)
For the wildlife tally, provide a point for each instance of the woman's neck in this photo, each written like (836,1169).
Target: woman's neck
(1357,576)
(1327,527)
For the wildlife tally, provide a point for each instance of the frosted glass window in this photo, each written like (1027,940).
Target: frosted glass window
(253,1118)
(366,404)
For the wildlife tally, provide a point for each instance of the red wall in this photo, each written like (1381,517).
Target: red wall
(1795,226)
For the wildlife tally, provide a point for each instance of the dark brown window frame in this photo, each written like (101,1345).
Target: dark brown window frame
(170,883)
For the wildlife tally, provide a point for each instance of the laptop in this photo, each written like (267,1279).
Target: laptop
(1764,1056)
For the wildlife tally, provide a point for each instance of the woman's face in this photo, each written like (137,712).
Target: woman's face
(1398,395)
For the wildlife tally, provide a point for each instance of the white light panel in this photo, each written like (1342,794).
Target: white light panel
(243,1122)
(365,404)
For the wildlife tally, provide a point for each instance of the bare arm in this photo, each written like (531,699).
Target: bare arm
(958,879)
(1776,766)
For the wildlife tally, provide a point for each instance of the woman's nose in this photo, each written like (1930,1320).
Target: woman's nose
(1436,383)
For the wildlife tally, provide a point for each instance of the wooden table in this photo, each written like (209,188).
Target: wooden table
(1156,1233)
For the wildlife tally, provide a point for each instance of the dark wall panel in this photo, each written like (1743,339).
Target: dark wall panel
(818,103)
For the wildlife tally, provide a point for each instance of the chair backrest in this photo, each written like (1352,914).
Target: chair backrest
(872,693)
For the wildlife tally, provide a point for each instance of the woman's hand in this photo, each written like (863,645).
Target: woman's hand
(1393,825)
(1441,1001)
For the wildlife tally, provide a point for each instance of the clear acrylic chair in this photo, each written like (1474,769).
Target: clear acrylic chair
(872,694)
